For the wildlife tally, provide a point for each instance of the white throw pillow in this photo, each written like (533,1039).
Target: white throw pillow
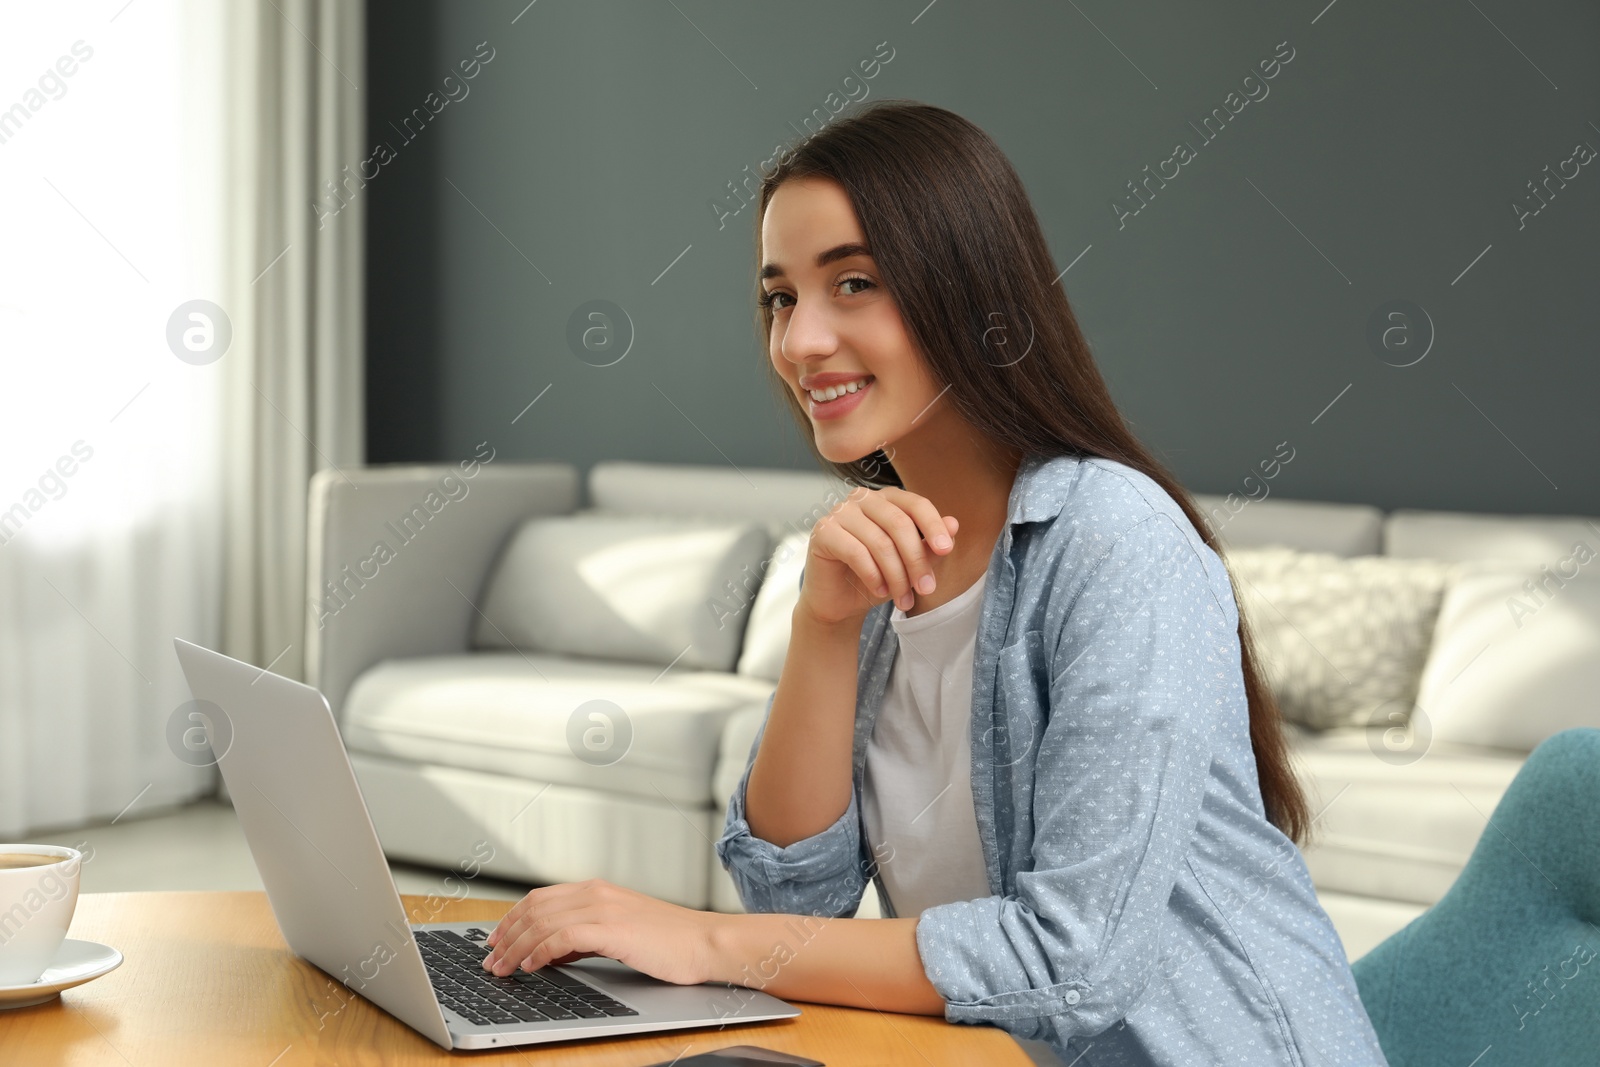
(1342,640)
(639,588)
(766,636)
(1516,656)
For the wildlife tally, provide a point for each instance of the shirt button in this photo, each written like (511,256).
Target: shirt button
(1072,997)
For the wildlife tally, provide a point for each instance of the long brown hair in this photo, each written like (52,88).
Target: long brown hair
(959,248)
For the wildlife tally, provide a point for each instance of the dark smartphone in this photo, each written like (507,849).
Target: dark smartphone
(741,1056)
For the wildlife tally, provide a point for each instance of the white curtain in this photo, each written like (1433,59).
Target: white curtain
(295,401)
(152,155)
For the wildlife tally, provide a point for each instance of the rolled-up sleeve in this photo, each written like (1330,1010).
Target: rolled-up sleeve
(1146,666)
(817,875)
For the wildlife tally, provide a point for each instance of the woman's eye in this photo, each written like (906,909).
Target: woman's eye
(771,300)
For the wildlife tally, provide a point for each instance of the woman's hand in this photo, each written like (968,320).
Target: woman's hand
(874,545)
(562,923)
(862,963)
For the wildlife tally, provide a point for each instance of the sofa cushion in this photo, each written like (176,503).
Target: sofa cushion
(1399,814)
(766,635)
(531,716)
(1516,654)
(634,588)
(1311,526)
(1533,540)
(1342,641)
(783,501)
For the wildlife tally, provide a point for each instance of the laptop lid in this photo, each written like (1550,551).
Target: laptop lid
(310,834)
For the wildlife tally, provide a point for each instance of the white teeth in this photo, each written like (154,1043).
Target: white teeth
(833,392)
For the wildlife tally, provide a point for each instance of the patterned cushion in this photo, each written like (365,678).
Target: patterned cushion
(1342,640)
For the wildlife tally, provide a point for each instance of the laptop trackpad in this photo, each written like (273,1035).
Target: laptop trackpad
(714,1000)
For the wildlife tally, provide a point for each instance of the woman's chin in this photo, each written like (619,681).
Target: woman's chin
(841,452)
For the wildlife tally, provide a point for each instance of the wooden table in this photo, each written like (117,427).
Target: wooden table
(208,980)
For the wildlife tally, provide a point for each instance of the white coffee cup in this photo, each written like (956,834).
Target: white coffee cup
(37,900)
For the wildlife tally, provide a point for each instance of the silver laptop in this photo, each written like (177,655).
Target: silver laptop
(325,874)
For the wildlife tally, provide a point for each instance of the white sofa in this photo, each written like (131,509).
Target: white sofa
(455,745)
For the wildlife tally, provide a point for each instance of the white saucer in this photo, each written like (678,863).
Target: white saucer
(76,962)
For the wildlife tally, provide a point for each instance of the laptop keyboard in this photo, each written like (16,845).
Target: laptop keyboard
(455,967)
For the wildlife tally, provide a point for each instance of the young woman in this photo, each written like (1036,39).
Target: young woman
(1018,695)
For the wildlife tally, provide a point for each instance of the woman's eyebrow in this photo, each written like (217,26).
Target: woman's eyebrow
(832,255)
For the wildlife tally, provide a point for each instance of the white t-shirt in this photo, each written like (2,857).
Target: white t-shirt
(917,789)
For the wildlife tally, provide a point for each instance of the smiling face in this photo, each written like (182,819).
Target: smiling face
(835,327)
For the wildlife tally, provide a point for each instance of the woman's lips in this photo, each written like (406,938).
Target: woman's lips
(839,406)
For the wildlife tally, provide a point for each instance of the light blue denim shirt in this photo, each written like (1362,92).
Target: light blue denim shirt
(1144,911)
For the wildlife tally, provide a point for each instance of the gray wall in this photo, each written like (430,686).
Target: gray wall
(1227,314)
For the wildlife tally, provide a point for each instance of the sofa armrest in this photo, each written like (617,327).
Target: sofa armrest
(394,553)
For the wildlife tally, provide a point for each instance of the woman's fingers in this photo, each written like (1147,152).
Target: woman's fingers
(522,939)
(561,924)
(519,936)
(838,543)
(907,518)
(932,527)
(889,568)
(511,916)
(882,538)
(544,899)
(538,946)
